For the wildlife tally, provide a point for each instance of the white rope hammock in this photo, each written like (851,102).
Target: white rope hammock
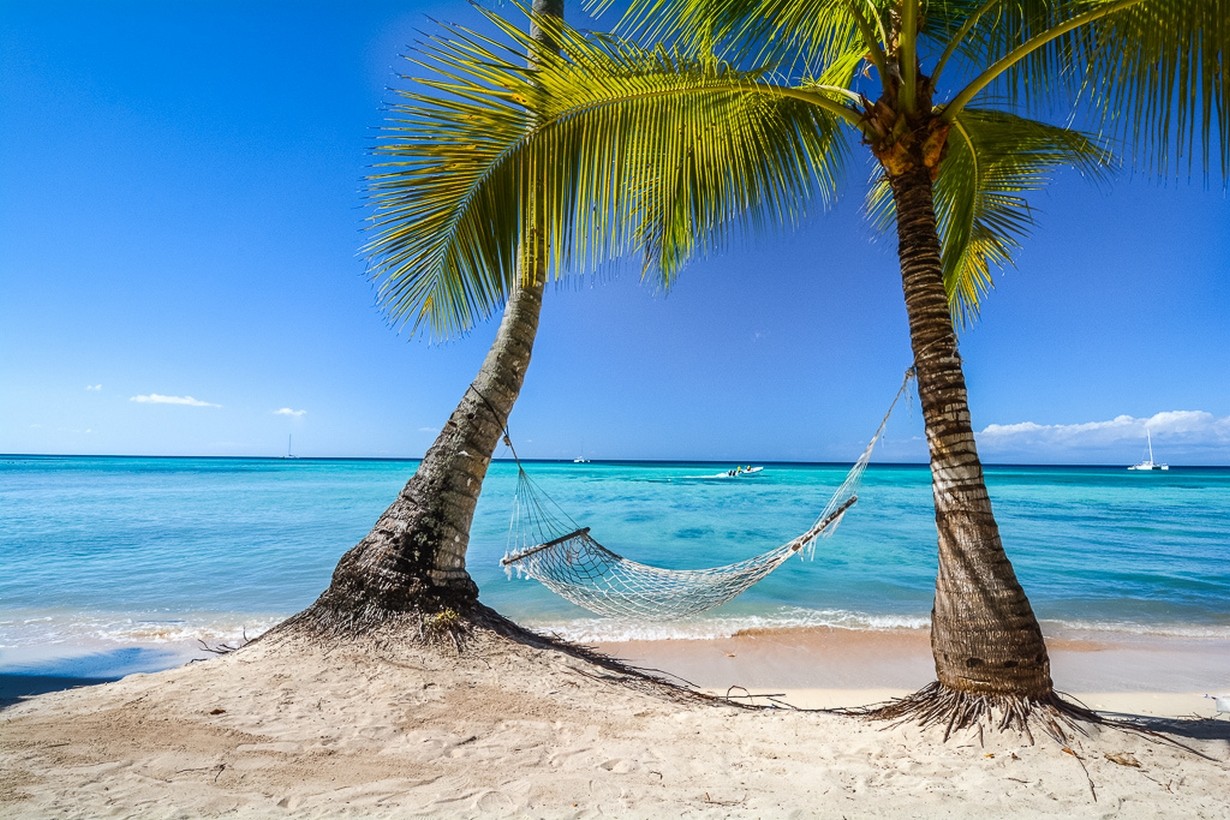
(548,546)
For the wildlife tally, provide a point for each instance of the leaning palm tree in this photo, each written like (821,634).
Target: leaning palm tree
(411,566)
(745,113)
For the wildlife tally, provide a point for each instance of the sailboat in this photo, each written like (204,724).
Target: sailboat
(290,438)
(1149,463)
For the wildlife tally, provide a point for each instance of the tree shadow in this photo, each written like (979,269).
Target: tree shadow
(606,667)
(1192,728)
(16,687)
(19,681)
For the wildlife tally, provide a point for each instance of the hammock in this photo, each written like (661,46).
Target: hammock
(546,545)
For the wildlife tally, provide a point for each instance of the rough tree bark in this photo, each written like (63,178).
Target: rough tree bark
(991,660)
(984,634)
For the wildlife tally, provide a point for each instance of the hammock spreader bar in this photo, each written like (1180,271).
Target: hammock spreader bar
(509,559)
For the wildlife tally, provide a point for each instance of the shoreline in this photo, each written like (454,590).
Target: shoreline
(811,667)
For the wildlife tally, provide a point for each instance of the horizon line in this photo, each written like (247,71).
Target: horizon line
(547,460)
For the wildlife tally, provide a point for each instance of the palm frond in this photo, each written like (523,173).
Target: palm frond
(985,32)
(1159,73)
(675,156)
(604,150)
(797,37)
(981,195)
(1152,72)
(442,171)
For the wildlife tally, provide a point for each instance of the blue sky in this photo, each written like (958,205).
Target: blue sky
(180,213)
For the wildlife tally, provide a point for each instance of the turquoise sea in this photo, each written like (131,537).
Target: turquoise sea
(130,560)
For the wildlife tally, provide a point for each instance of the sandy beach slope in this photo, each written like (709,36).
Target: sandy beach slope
(512,730)
(830,667)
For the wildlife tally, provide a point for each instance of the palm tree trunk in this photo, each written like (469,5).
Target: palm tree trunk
(414,559)
(984,636)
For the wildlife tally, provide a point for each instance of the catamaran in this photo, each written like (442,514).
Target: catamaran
(1149,463)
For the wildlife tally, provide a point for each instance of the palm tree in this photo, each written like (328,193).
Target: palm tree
(412,563)
(746,112)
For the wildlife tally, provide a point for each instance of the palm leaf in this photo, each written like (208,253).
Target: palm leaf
(1158,78)
(798,37)
(442,174)
(1152,72)
(605,150)
(677,157)
(985,32)
(994,161)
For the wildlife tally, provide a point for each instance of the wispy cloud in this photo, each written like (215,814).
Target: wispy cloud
(286,411)
(184,401)
(93,388)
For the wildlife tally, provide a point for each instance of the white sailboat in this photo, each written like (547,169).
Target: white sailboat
(1149,463)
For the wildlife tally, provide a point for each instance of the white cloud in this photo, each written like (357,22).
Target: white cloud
(1188,425)
(1198,422)
(1171,423)
(93,388)
(185,401)
(286,411)
(1088,432)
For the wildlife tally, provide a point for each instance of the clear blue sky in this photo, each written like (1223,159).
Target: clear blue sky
(180,212)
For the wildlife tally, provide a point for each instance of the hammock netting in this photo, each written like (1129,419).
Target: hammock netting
(547,545)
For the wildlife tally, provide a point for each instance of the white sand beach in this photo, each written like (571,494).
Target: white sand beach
(509,730)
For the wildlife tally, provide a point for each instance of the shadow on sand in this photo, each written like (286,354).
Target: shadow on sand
(21,680)
(1193,728)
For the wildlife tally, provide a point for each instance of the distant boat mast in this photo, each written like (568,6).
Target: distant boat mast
(1149,463)
(290,439)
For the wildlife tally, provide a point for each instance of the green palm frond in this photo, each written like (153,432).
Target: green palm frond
(678,156)
(994,161)
(442,170)
(606,150)
(985,32)
(1153,72)
(797,37)
(1159,76)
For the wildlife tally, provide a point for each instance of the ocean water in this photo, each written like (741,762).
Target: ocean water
(131,559)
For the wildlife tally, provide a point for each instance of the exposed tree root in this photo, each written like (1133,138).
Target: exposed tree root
(1059,717)
(936,705)
(450,626)
(225,648)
